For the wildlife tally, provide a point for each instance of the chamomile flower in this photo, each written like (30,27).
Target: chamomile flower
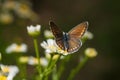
(51,47)
(34,61)
(34,31)
(15,48)
(8,72)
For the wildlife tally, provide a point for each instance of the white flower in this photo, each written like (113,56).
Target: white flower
(48,34)
(51,47)
(88,35)
(22,48)
(91,52)
(34,30)
(34,61)
(9,71)
(13,71)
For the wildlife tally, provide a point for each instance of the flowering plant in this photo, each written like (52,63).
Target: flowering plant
(47,65)
(53,54)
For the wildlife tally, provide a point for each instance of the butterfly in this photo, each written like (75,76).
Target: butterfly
(70,41)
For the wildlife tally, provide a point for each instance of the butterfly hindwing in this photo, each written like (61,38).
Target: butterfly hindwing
(74,44)
(60,43)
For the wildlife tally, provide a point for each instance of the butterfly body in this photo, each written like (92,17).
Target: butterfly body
(65,41)
(70,41)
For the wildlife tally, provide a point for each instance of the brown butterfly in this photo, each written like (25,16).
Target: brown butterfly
(70,41)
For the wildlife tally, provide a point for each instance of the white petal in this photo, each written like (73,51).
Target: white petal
(38,27)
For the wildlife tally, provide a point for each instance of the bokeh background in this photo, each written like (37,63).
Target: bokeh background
(103,17)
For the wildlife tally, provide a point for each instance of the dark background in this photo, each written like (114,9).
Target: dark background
(103,17)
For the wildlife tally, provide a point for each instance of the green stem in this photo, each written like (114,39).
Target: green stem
(22,71)
(54,61)
(22,67)
(52,65)
(77,69)
(62,66)
(54,74)
(38,57)
(50,61)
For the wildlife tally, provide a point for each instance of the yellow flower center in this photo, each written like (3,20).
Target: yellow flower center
(18,48)
(35,60)
(5,69)
(3,77)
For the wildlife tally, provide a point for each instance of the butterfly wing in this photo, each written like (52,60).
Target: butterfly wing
(79,30)
(74,37)
(58,34)
(74,44)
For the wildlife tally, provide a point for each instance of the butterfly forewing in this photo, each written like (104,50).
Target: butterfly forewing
(58,34)
(79,30)
(55,30)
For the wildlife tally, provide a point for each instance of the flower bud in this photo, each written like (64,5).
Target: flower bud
(23,59)
(34,31)
(91,52)
(88,35)
(48,34)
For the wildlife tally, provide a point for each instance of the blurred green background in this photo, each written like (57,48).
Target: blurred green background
(103,17)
